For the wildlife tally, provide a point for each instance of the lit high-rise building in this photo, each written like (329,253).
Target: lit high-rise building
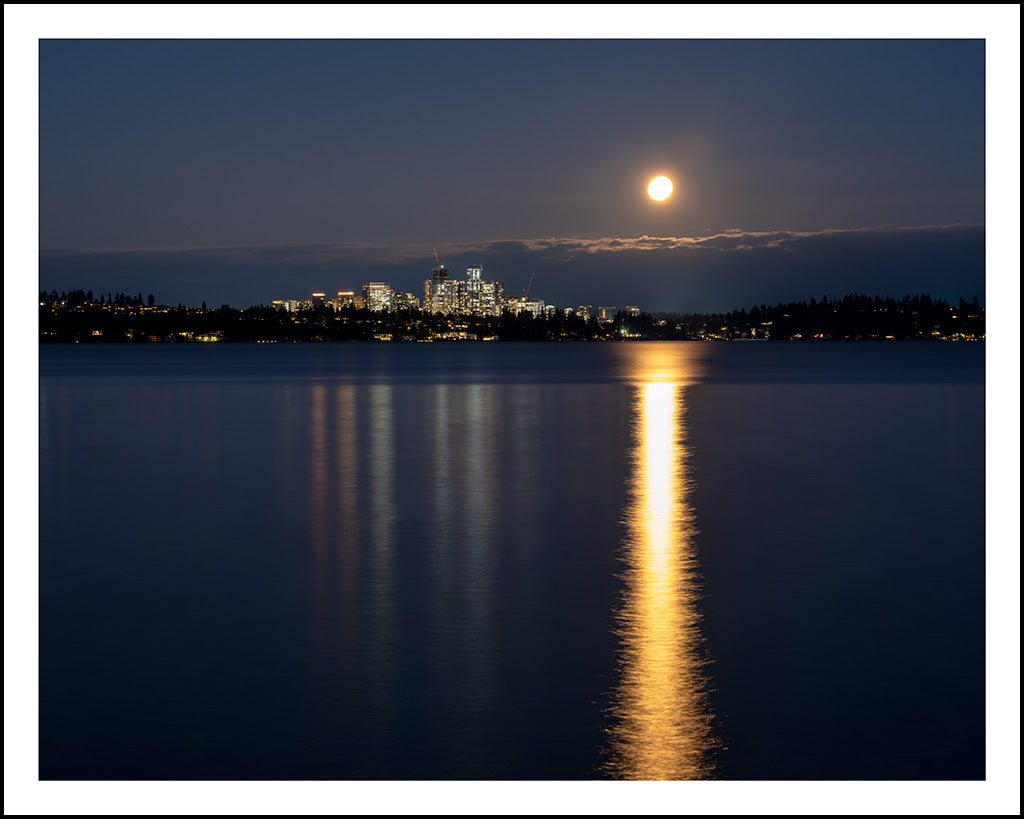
(472,297)
(440,294)
(345,298)
(535,307)
(492,294)
(404,301)
(377,296)
(471,300)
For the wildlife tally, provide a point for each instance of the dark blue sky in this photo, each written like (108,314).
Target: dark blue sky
(238,171)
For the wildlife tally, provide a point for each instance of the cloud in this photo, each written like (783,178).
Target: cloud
(729,240)
(702,273)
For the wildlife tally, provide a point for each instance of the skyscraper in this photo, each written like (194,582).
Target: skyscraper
(440,295)
(473,291)
(377,296)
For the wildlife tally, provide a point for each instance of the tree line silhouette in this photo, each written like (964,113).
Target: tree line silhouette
(79,316)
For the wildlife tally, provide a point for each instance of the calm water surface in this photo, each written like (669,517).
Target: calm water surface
(648,560)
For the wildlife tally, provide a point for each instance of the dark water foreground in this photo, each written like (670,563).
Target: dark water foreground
(650,560)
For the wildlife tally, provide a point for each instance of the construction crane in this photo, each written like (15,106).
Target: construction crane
(526,297)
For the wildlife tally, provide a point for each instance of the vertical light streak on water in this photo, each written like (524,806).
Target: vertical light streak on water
(478,468)
(319,490)
(441,501)
(346,458)
(334,515)
(382,491)
(661,725)
(381,503)
(442,477)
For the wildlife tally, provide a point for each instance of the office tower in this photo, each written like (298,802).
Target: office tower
(440,295)
(377,296)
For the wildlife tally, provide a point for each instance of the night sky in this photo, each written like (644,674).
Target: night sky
(240,171)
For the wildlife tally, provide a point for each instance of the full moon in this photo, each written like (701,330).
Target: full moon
(660,188)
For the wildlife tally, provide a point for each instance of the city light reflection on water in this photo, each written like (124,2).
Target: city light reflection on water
(424,562)
(661,721)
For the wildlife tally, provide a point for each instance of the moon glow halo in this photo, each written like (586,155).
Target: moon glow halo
(660,188)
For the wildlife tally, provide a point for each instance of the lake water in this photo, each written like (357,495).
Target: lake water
(504,561)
